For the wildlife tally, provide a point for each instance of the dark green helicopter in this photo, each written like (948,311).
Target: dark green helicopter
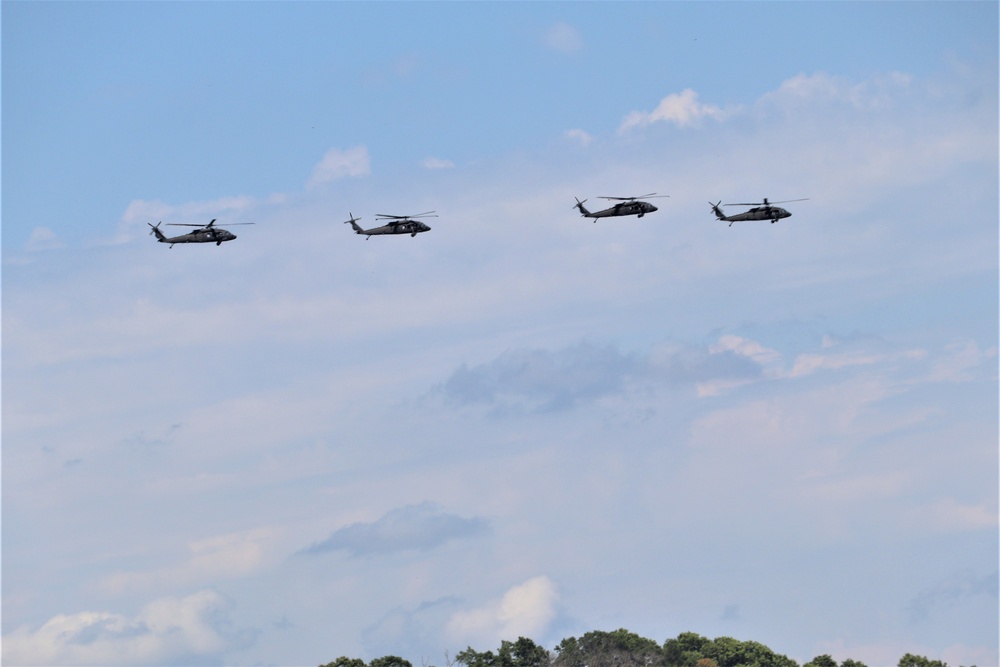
(764,210)
(395,224)
(625,206)
(205,234)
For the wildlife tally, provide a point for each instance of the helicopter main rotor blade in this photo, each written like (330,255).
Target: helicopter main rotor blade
(209,226)
(649,196)
(428,214)
(767,203)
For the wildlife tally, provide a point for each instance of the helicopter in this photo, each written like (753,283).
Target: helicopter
(394,224)
(625,206)
(762,211)
(204,234)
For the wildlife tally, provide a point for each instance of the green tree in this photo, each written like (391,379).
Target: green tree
(852,663)
(390,661)
(344,661)
(821,661)
(473,658)
(910,660)
(729,652)
(619,648)
(685,651)
(522,653)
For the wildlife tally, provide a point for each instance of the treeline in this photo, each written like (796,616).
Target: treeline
(622,648)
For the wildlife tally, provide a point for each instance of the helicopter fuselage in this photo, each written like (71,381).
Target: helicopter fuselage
(411,227)
(216,236)
(772,213)
(638,208)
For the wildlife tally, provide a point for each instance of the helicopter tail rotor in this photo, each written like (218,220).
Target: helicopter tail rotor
(718,211)
(579,205)
(155,230)
(353,222)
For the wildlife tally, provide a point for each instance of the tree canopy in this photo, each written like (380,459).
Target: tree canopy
(621,648)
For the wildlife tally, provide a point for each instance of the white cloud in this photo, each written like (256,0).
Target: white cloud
(563,38)
(948,515)
(337,163)
(580,136)
(437,163)
(221,557)
(166,631)
(962,358)
(806,364)
(682,109)
(878,92)
(42,238)
(525,610)
(746,348)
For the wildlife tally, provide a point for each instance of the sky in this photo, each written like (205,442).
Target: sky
(303,444)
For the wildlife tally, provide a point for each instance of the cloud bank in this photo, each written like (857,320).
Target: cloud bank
(177,631)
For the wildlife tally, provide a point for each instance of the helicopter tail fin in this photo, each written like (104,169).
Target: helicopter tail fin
(718,211)
(155,229)
(354,223)
(583,211)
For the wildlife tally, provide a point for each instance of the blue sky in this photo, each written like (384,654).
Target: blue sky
(301,444)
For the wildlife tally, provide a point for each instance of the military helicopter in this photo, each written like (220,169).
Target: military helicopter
(394,224)
(625,206)
(762,211)
(205,234)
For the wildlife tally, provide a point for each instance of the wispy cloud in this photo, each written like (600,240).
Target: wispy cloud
(536,380)
(948,592)
(579,136)
(221,557)
(437,163)
(879,92)
(420,527)
(563,38)
(43,238)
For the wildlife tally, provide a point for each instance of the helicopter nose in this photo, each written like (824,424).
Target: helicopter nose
(652,208)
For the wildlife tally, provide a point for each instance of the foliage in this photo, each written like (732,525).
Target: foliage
(910,660)
(687,650)
(620,648)
(390,661)
(343,661)
(821,661)
(522,653)
(729,652)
